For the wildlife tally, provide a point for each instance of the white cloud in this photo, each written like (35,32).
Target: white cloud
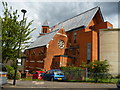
(113,20)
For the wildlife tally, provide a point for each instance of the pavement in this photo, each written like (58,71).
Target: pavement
(56,84)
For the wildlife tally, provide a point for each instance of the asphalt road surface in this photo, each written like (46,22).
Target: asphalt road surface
(56,84)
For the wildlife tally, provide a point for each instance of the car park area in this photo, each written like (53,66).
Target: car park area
(56,84)
(53,79)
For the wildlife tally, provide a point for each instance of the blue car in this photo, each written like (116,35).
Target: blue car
(54,74)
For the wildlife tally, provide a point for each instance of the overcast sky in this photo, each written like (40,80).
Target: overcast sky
(56,12)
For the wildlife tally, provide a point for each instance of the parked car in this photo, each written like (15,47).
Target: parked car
(118,84)
(54,74)
(3,74)
(38,74)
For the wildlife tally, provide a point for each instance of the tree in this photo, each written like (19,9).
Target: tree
(11,72)
(11,33)
(97,69)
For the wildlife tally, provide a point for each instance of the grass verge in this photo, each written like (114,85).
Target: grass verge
(112,81)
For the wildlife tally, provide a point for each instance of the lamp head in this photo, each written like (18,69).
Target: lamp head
(24,11)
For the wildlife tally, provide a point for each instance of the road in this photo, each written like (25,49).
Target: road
(56,84)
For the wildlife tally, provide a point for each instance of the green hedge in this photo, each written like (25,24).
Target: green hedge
(11,72)
(70,68)
(73,73)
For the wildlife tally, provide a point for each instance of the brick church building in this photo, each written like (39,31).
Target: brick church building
(68,43)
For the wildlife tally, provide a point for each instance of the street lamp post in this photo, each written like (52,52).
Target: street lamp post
(14,81)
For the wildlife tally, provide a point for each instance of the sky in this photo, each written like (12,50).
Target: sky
(55,12)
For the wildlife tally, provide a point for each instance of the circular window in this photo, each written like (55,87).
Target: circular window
(61,44)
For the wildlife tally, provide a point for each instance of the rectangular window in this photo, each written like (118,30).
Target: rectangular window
(88,51)
(75,35)
(45,30)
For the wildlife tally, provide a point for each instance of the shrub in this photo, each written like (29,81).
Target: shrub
(73,73)
(11,72)
(41,69)
(118,76)
(98,70)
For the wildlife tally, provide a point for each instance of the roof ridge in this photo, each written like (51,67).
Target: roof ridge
(79,14)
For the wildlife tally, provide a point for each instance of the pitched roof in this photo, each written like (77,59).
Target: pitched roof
(79,20)
(82,19)
(43,40)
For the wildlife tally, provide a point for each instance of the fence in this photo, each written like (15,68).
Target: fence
(75,74)
(81,75)
(99,77)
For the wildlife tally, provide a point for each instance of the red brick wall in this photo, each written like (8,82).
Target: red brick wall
(103,25)
(53,48)
(97,19)
(94,46)
(37,55)
(62,61)
(82,39)
(55,63)
(84,36)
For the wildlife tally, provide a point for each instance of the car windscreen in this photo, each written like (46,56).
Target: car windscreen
(58,73)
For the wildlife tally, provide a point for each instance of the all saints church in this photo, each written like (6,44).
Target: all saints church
(68,43)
